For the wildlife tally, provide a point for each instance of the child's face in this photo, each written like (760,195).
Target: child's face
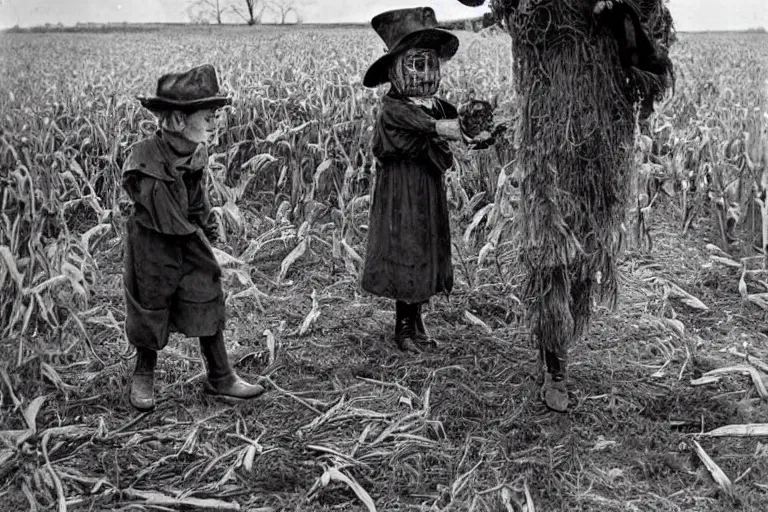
(200,126)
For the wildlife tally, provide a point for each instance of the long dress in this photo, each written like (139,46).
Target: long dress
(408,255)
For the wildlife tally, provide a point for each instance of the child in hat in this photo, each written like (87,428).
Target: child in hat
(171,278)
(409,241)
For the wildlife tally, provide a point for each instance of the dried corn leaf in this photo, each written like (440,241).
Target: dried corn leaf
(6,454)
(743,369)
(728,262)
(703,381)
(757,363)
(259,162)
(225,259)
(743,284)
(49,372)
(333,474)
(758,299)
(352,252)
(506,499)
(250,454)
(289,260)
(717,474)
(31,412)
(674,325)
(270,345)
(678,293)
(156,498)
(484,252)
(476,321)
(745,430)
(476,220)
(96,230)
(335,245)
(529,506)
(313,314)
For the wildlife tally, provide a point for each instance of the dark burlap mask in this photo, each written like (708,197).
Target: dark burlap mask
(416,73)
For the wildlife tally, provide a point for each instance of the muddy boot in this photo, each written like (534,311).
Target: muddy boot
(554,392)
(405,327)
(143,381)
(222,380)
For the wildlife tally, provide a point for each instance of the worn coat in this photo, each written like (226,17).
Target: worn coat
(171,278)
(408,255)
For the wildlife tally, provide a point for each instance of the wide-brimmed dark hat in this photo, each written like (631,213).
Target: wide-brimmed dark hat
(196,89)
(403,29)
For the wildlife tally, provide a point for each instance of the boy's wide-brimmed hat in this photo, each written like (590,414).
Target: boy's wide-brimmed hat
(196,89)
(403,29)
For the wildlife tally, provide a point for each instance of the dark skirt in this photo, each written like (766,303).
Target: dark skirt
(409,240)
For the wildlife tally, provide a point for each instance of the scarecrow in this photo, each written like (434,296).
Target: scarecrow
(171,278)
(408,255)
(584,70)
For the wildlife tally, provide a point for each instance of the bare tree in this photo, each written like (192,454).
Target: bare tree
(284,8)
(253,17)
(200,10)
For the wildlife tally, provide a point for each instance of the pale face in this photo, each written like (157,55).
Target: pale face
(200,126)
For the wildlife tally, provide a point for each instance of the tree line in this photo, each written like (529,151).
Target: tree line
(250,11)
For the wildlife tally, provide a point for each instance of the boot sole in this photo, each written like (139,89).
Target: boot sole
(210,390)
(142,408)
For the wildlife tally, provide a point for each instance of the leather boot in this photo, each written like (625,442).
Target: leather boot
(554,392)
(405,327)
(143,381)
(222,379)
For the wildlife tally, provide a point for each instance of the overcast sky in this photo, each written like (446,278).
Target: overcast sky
(688,14)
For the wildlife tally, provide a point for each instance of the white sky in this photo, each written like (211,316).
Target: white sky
(689,15)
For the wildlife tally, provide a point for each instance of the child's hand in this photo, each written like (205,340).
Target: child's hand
(211,229)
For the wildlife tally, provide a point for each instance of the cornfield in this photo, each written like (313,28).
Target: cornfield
(290,179)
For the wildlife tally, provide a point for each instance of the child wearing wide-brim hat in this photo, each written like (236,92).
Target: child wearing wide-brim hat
(171,277)
(408,255)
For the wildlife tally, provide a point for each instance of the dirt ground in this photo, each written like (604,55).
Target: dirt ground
(348,418)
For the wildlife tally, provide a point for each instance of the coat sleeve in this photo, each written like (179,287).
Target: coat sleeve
(405,131)
(144,181)
(199,204)
(407,117)
(141,169)
(402,130)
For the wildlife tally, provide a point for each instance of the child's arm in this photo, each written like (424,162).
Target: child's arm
(200,206)
(409,118)
(450,129)
(200,210)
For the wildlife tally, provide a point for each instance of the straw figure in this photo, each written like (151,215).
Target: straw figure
(584,72)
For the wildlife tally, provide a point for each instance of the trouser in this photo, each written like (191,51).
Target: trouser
(172,284)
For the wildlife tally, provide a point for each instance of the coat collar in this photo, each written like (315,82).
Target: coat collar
(177,144)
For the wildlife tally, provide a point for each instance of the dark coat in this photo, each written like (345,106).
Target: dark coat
(171,277)
(408,256)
